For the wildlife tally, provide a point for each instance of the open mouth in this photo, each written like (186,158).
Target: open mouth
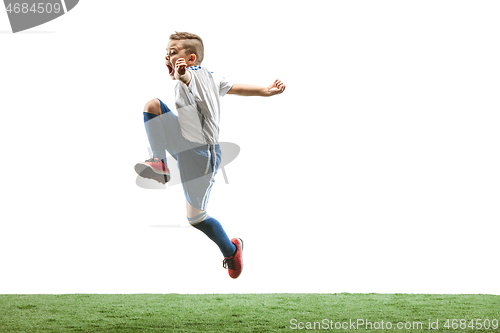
(170,70)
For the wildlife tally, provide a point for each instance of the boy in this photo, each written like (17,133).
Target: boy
(192,137)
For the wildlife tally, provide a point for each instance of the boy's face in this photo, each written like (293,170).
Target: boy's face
(175,50)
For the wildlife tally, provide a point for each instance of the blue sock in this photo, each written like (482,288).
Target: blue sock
(156,135)
(213,229)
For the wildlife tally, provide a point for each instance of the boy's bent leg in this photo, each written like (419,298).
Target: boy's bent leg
(155,168)
(154,129)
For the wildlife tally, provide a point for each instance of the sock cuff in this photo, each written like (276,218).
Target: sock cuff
(148,116)
(198,218)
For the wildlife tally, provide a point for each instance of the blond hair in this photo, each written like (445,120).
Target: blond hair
(192,44)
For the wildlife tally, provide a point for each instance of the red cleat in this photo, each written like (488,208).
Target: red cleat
(234,264)
(154,168)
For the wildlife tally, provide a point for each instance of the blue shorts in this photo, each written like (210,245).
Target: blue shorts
(198,163)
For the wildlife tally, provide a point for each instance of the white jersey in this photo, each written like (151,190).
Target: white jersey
(198,105)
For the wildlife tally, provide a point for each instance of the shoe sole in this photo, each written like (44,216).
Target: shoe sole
(241,256)
(241,241)
(146,171)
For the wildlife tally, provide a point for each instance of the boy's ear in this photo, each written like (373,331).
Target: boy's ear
(192,57)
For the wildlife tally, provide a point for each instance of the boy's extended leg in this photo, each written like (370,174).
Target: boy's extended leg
(212,228)
(231,249)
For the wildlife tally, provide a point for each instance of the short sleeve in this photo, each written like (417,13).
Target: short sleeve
(225,86)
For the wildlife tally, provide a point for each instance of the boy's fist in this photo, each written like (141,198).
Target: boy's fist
(277,87)
(180,66)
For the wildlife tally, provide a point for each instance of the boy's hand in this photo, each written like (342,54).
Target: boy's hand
(277,87)
(180,66)
(181,73)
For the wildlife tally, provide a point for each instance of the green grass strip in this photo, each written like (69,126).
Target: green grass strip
(246,312)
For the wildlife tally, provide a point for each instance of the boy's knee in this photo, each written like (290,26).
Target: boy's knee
(194,220)
(153,106)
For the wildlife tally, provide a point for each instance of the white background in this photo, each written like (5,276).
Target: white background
(375,171)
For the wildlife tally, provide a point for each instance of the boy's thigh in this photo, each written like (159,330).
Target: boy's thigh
(198,167)
(175,142)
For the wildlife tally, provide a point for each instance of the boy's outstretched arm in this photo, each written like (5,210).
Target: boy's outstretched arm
(277,87)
